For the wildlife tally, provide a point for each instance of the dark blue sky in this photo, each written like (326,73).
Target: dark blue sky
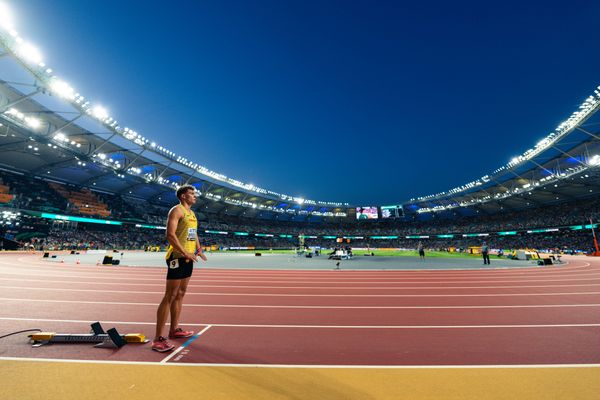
(364,102)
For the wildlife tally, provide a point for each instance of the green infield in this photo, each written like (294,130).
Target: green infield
(376,252)
(414,253)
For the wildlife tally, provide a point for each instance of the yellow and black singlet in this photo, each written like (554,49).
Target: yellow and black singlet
(186,233)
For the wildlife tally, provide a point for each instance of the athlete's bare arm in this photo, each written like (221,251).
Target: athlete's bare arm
(199,250)
(175,214)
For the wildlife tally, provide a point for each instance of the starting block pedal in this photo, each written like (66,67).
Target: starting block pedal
(97,328)
(113,340)
(110,339)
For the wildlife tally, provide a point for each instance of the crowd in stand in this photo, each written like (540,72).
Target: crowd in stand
(80,239)
(566,214)
(37,195)
(33,194)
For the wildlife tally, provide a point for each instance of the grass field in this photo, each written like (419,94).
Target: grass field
(414,253)
(386,253)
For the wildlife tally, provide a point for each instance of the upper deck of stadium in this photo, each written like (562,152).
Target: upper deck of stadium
(49,130)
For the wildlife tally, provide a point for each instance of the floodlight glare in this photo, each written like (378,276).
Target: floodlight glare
(100,112)
(6,18)
(62,89)
(30,53)
(33,122)
(595,160)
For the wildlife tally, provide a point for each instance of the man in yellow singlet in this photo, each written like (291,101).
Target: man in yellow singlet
(183,247)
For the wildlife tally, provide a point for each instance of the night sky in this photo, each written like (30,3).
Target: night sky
(369,103)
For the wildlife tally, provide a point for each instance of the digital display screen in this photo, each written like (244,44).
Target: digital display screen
(80,219)
(391,212)
(366,213)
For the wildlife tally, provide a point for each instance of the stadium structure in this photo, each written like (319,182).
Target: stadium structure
(51,133)
(72,178)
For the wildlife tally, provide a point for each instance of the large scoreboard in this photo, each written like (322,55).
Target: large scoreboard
(366,213)
(392,212)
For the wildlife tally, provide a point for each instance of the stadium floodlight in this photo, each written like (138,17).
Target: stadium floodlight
(594,161)
(33,122)
(62,89)
(99,112)
(6,18)
(542,142)
(30,53)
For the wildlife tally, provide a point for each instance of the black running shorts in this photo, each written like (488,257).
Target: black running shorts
(179,268)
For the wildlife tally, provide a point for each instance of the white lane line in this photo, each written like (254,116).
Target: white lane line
(280,273)
(582,277)
(273,326)
(399,274)
(308,295)
(82,290)
(119,276)
(88,276)
(308,287)
(183,346)
(306,307)
(304,366)
(77,321)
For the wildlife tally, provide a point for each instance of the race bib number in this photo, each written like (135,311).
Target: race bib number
(191,234)
(174,264)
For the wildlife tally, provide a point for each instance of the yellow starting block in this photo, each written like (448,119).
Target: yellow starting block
(111,338)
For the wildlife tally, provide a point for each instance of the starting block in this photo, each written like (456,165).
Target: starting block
(109,339)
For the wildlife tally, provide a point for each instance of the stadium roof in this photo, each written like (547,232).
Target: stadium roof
(49,130)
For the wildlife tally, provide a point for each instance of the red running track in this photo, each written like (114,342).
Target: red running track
(548,315)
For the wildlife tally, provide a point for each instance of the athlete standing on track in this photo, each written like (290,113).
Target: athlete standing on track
(421,249)
(183,246)
(485,252)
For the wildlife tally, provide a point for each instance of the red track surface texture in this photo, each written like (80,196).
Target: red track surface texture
(547,315)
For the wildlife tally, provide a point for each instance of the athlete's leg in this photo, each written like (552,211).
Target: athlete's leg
(177,303)
(171,290)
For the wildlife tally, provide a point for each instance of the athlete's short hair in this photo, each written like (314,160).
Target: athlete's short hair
(181,190)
